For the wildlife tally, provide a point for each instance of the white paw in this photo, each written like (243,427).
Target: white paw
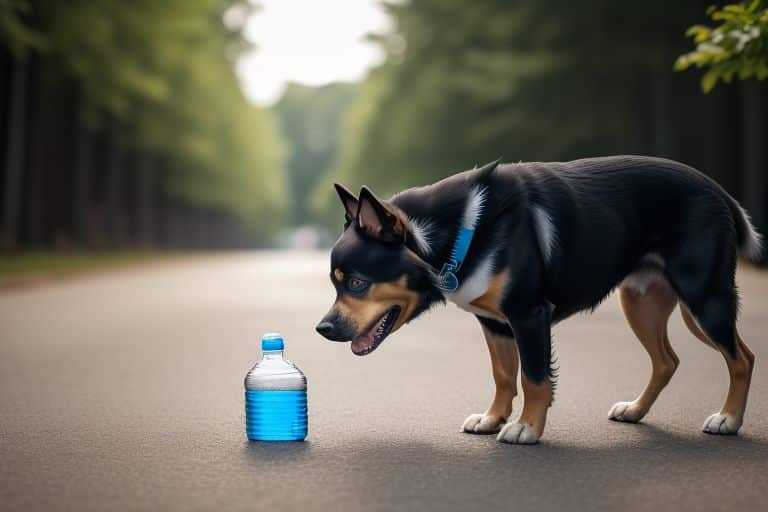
(482,424)
(625,411)
(517,433)
(723,424)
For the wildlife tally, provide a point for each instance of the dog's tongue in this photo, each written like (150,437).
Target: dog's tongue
(362,343)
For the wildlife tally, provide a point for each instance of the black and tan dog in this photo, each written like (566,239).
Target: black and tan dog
(523,246)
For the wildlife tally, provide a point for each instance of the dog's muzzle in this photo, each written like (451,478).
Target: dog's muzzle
(335,328)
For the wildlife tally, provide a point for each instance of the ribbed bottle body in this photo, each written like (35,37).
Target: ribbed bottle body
(275,396)
(276,415)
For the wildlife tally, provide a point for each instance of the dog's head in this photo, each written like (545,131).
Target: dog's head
(380,283)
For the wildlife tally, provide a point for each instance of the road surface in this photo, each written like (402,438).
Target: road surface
(125,391)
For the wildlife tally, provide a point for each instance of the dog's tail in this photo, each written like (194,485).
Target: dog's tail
(750,241)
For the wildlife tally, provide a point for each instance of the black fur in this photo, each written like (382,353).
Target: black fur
(607,213)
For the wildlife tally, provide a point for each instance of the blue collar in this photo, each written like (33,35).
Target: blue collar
(446,279)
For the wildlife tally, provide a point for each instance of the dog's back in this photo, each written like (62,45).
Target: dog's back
(600,219)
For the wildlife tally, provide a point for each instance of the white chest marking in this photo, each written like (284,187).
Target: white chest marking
(474,286)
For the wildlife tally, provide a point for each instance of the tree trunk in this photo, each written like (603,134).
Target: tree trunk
(114,185)
(161,203)
(82,187)
(661,108)
(145,199)
(17,129)
(754,158)
(38,150)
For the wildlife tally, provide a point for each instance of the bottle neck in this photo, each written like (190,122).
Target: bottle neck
(272,354)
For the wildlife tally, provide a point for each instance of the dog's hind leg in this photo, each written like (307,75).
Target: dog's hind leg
(703,275)
(648,312)
(740,365)
(504,363)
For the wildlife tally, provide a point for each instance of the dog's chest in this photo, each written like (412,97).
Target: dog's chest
(474,288)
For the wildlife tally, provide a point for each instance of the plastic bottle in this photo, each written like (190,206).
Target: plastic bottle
(275,396)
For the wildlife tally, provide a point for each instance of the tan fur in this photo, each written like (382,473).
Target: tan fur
(647,314)
(739,368)
(536,401)
(504,363)
(491,300)
(693,326)
(363,312)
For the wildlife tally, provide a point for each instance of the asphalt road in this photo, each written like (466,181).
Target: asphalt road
(125,391)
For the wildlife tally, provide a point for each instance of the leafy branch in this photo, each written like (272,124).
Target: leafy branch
(736,47)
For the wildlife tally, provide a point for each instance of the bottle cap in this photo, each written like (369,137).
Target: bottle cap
(272,341)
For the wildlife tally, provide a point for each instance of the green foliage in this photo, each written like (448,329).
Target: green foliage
(14,33)
(163,73)
(736,47)
(36,265)
(310,119)
(542,80)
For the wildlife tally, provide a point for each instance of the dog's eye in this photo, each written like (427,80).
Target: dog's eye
(357,285)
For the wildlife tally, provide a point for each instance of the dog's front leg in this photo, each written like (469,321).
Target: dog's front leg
(533,337)
(504,364)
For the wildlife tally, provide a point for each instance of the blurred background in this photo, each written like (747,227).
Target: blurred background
(206,133)
(132,127)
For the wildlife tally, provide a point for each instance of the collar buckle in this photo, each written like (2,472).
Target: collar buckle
(446,279)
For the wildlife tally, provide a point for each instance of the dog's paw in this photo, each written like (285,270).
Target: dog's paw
(482,424)
(628,412)
(517,433)
(721,424)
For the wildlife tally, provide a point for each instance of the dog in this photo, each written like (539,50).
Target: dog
(524,246)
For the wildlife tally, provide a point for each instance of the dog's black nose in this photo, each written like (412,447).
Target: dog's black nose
(325,328)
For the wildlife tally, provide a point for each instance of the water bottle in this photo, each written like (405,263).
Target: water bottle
(275,396)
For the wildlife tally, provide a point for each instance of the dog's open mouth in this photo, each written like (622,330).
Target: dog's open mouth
(367,342)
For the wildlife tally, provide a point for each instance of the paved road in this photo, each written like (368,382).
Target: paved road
(124,391)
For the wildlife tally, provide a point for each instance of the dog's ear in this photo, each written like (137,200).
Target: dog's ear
(379,220)
(486,170)
(349,201)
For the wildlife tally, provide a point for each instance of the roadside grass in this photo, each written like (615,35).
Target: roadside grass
(42,264)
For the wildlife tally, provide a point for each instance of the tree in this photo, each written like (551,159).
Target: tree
(159,78)
(736,47)
(520,80)
(310,119)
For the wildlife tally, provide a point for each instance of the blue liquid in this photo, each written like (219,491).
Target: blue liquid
(276,415)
